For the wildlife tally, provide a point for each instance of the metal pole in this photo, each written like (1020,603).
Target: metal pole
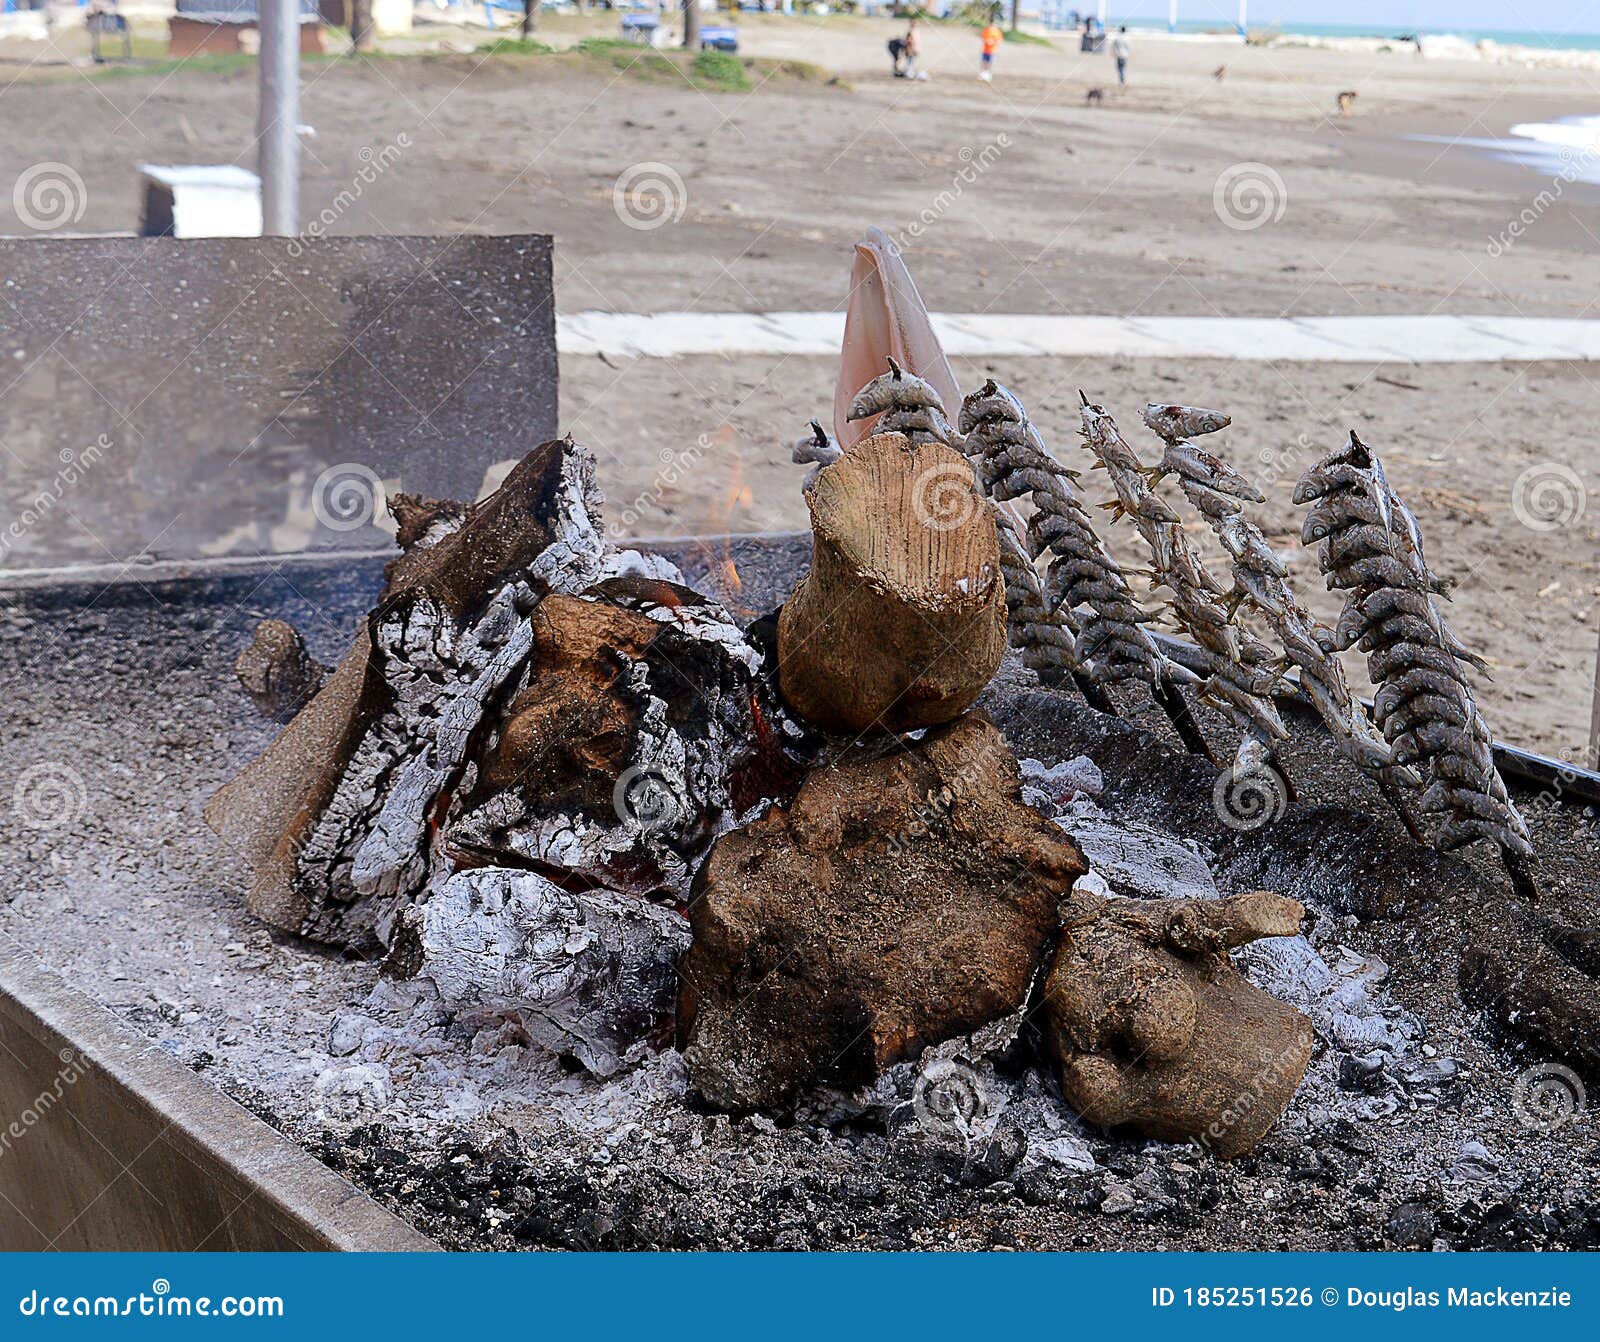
(278,140)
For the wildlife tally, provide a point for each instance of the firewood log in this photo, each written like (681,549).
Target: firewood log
(902,619)
(1153,1028)
(451,605)
(906,896)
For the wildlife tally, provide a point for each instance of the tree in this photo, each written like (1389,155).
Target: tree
(691,25)
(530,16)
(1014,15)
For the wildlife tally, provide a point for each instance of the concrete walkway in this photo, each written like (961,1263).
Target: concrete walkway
(665,335)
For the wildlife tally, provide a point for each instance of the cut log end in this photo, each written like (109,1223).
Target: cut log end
(901,622)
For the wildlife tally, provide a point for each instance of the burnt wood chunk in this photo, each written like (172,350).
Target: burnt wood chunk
(903,898)
(300,811)
(1152,1028)
(277,672)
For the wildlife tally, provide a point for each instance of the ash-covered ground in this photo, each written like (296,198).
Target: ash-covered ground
(1409,1131)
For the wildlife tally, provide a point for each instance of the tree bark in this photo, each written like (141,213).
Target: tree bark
(530,17)
(691,25)
(902,619)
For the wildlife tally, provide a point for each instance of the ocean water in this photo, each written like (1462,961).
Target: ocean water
(1550,39)
(1567,148)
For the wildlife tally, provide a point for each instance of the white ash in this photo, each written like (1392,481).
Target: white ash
(1136,859)
(952,1095)
(585,974)
(637,564)
(1048,788)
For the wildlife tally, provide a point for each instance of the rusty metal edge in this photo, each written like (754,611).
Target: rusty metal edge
(282,1196)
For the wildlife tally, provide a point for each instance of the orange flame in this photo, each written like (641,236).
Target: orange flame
(720,524)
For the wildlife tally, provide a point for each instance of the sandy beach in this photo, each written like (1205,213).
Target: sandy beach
(1018,196)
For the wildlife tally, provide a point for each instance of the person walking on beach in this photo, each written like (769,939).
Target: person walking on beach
(992,37)
(1121,49)
(913,40)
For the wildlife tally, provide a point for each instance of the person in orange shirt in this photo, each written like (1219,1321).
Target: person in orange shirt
(992,37)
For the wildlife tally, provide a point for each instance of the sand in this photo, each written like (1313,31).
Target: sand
(1015,197)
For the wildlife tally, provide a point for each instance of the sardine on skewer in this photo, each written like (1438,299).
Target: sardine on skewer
(1261,578)
(1424,703)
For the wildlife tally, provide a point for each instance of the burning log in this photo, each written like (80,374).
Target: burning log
(1219,493)
(901,621)
(612,761)
(1241,672)
(586,974)
(1371,548)
(449,627)
(902,899)
(1541,982)
(1152,1027)
(277,672)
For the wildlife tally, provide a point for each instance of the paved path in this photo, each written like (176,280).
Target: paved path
(664,335)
